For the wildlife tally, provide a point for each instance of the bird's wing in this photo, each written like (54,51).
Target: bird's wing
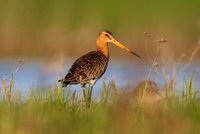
(90,66)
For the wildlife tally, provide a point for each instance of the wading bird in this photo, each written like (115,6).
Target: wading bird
(91,66)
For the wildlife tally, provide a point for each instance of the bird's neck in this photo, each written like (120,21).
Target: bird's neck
(103,48)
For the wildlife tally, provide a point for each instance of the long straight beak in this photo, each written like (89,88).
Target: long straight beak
(124,47)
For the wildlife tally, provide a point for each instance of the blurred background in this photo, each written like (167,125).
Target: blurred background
(53,33)
(38,28)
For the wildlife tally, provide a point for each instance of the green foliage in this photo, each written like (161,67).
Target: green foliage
(58,110)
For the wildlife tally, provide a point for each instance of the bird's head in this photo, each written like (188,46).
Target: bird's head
(107,37)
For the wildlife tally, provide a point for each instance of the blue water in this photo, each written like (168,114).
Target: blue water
(37,72)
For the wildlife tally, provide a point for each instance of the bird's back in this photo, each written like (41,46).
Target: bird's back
(90,66)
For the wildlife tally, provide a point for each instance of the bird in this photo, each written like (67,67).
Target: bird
(90,67)
(147,93)
(146,88)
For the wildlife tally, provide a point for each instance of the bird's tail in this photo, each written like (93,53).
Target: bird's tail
(63,82)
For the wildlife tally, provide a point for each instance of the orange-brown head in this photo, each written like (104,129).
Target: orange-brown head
(106,37)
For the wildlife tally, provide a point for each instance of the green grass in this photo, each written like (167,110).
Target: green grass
(57,110)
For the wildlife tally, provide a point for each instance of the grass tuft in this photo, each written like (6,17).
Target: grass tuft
(58,110)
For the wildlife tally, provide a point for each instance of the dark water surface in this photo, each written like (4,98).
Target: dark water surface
(37,72)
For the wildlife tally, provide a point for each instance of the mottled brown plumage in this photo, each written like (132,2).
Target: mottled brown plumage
(91,66)
(87,68)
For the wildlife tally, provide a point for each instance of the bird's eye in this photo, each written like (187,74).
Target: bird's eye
(107,35)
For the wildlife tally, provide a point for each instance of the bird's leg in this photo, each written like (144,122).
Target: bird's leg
(83,85)
(90,93)
(91,88)
(83,90)
(88,101)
